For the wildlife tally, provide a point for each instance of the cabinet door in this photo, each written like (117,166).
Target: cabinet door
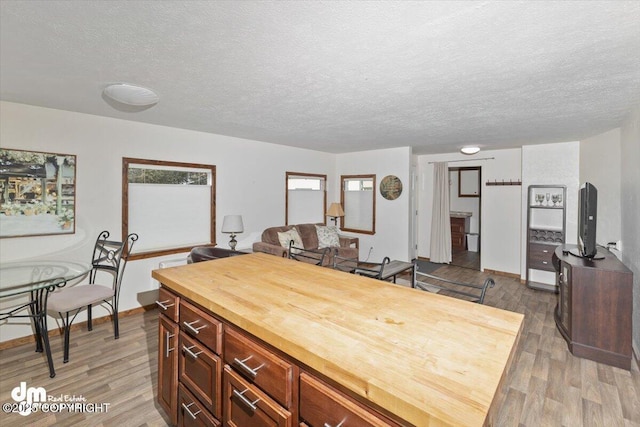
(168,367)
(201,372)
(246,406)
(191,413)
(322,406)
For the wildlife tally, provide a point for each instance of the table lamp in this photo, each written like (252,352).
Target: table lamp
(232,224)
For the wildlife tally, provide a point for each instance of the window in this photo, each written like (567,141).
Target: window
(306,198)
(170,205)
(358,200)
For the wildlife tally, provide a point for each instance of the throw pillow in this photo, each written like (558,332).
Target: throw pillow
(286,236)
(327,236)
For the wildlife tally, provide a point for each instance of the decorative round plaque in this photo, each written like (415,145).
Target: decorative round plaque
(390,187)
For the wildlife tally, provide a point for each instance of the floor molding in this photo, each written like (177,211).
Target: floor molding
(74,327)
(502,273)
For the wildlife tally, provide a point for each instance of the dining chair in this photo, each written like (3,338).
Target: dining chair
(105,278)
(307,255)
(367,269)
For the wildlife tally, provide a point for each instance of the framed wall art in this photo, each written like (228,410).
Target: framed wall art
(37,193)
(390,187)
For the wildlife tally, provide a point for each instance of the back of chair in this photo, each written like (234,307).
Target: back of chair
(110,256)
(373,270)
(307,255)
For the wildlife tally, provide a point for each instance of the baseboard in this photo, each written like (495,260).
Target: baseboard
(74,327)
(502,273)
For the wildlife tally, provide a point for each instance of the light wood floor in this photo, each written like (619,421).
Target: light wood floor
(466,259)
(546,385)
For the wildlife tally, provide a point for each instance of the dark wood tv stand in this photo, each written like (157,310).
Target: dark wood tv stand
(594,306)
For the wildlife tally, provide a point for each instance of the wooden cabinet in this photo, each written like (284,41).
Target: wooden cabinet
(322,406)
(594,307)
(168,366)
(191,413)
(247,406)
(260,366)
(546,219)
(201,370)
(189,363)
(247,385)
(459,227)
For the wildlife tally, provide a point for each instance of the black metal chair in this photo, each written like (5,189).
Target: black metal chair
(307,255)
(109,259)
(467,291)
(352,265)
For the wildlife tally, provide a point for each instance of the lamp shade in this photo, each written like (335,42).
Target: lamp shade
(232,224)
(335,210)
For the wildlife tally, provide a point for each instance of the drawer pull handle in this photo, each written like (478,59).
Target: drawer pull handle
(168,350)
(545,262)
(338,425)
(191,353)
(545,251)
(189,326)
(186,408)
(240,395)
(163,304)
(246,368)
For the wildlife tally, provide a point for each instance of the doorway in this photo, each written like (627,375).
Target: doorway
(465,184)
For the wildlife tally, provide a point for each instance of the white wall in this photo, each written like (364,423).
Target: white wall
(600,165)
(392,216)
(250,182)
(630,207)
(500,206)
(551,164)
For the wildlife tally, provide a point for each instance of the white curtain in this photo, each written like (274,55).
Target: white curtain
(440,220)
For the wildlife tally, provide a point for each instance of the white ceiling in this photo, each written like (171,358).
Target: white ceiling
(336,76)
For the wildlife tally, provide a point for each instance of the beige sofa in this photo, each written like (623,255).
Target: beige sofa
(271,244)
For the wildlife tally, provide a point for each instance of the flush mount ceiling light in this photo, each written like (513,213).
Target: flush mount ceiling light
(470,150)
(131,95)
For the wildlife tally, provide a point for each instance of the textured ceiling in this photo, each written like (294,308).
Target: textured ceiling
(336,76)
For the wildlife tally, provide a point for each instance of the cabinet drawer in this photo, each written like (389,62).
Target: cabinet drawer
(321,405)
(201,326)
(540,256)
(201,372)
(168,304)
(191,413)
(247,406)
(259,366)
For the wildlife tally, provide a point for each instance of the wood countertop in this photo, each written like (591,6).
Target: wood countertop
(427,358)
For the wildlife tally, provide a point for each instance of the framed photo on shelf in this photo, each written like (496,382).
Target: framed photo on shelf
(37,193)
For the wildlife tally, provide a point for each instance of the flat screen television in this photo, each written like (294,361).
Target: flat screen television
(587,218)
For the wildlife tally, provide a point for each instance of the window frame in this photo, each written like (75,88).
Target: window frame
(343,179)
(127,162)
(289,175)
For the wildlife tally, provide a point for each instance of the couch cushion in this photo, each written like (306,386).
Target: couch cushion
(270,235)
(284,237)
(309,235)
(327,236)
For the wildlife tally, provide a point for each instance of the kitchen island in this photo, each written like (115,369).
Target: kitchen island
(406,356)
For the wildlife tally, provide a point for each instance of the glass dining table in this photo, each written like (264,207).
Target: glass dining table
(37,279)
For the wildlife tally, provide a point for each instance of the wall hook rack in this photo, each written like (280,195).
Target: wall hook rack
(504,182)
